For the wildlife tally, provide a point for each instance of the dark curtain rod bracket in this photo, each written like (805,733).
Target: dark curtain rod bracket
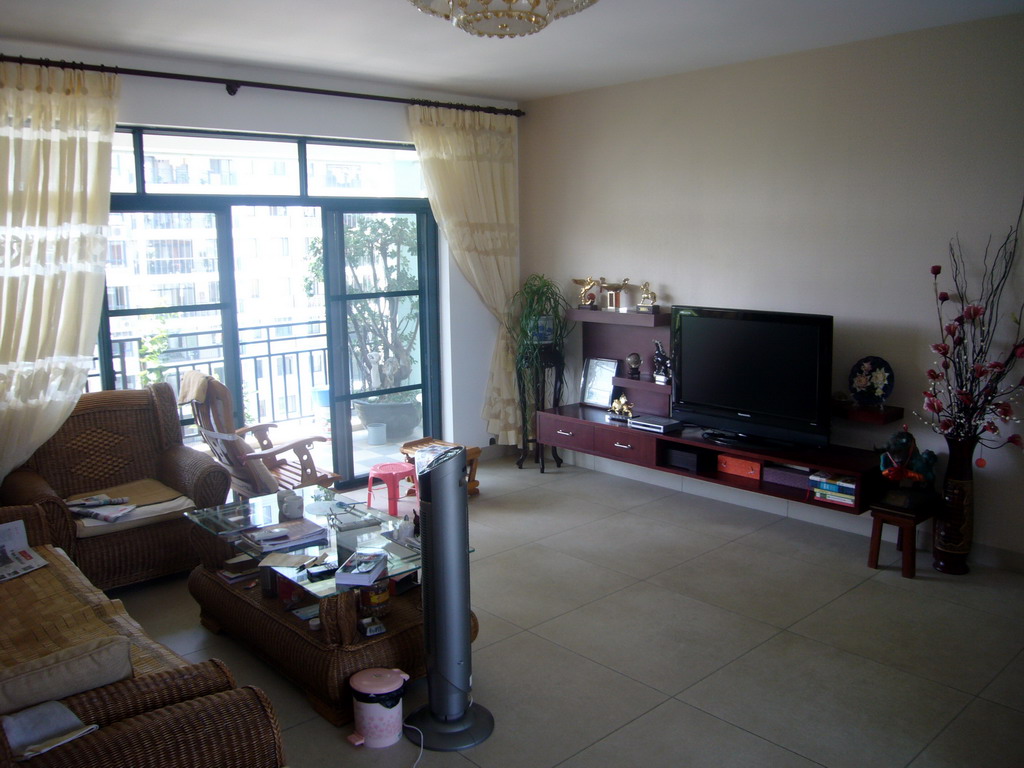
(233,86)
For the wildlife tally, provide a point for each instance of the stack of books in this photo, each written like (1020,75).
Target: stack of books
(835,489)
(361,569)
(290,534)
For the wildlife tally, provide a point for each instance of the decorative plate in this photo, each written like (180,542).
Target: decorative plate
(871,381)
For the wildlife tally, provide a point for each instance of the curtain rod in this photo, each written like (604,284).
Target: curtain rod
(233,85)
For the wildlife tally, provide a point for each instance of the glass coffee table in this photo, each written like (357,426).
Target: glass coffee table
(349,526)
(275,621)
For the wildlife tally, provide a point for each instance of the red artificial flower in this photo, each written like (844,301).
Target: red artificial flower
(935,375)
(945,425)
(937,270)
(964,396)
(996,366)
(1018,351)
(933,404)
(946,364)
(980,370)
(990,426)
(1015,439)
(1003,410)
(973,311)
(952,329)
(940,349)
(943,296)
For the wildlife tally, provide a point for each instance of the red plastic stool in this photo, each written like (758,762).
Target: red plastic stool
(390,474)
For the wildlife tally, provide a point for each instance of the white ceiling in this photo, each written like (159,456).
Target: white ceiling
(389,41)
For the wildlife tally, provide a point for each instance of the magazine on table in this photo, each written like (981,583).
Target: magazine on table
(361,569)
(16,556)
(286,535)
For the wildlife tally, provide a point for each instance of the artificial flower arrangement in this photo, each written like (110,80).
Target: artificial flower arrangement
(971,391)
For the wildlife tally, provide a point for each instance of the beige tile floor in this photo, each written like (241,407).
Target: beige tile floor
(623,624)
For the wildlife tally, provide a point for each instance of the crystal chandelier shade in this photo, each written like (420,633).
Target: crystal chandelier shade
(501,18)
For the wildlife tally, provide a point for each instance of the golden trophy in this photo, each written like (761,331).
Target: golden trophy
(586,299)
(646,306)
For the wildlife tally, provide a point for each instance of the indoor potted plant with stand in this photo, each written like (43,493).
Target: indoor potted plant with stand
(538,327)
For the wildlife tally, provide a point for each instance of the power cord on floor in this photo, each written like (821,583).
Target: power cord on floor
(420,756)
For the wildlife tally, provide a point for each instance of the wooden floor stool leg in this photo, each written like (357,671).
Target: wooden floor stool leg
(909,548)
(876,541)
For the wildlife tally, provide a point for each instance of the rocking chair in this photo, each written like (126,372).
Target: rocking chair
(253,472)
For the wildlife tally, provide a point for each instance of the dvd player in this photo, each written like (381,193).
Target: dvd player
(654,423)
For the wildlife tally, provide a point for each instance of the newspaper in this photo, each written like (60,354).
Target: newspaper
(16,556)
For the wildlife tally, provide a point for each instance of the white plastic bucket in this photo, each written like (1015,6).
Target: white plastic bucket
(376,434)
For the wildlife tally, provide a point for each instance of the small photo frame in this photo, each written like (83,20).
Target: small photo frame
(597,387)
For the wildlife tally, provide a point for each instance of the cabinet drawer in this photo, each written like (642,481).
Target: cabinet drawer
(573,434)
(625,445)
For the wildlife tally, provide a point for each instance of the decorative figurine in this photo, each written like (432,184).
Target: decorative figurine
(586,298)
(647,298)
(633,363)
(910,472)
(612,301)
(903,464)
(621,409)
(662,365)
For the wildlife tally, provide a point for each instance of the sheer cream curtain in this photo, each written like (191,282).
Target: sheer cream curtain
(469,164)
(56,128)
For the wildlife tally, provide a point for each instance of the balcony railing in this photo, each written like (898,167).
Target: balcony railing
(284,367)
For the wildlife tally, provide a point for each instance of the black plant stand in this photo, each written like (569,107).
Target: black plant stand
(550,359)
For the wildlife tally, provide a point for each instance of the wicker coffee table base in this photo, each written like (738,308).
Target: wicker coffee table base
(320,662)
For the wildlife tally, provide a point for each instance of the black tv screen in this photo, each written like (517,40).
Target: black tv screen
(753,374)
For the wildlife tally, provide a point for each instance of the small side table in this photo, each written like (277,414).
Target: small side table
(906,521)
(472,459)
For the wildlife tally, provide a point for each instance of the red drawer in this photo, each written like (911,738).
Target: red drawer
(629,445)
(573,434)
(734,465)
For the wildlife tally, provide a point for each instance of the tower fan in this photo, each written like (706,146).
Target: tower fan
(449,721)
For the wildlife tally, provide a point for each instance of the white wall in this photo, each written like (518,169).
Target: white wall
(466,325)
(827,181)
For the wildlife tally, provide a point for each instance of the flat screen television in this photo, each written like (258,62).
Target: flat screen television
(751,375)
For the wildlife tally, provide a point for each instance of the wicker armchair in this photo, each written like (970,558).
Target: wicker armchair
(122,443)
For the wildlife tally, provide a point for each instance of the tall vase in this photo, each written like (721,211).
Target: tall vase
(954,523)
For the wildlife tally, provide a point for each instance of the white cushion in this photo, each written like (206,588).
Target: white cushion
(65,672)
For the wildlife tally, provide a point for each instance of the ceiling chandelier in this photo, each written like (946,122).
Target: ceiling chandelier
(501,18)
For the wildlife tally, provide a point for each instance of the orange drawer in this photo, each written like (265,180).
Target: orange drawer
(573,434)
(734,465)
(630,445)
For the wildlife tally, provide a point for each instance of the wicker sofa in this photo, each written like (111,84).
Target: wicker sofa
(165,713)
(124,443)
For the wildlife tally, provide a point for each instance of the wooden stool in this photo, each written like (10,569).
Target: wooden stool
(472,459)
(906,520)
(390,473)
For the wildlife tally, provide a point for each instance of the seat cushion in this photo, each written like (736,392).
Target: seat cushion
(63,673)
(154,503)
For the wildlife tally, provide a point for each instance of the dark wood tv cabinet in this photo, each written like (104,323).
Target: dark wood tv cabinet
(780,472)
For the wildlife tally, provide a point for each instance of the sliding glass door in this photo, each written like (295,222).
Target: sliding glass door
(318,312)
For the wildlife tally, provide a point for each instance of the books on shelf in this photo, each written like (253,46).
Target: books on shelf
(290,534)
(361,568)
(834,489)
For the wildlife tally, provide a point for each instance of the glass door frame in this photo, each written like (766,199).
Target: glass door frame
(337,296)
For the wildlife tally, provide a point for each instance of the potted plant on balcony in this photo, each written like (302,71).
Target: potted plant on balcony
(383,329)
(538,327)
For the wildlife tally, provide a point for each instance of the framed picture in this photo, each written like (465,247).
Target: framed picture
(597,381)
